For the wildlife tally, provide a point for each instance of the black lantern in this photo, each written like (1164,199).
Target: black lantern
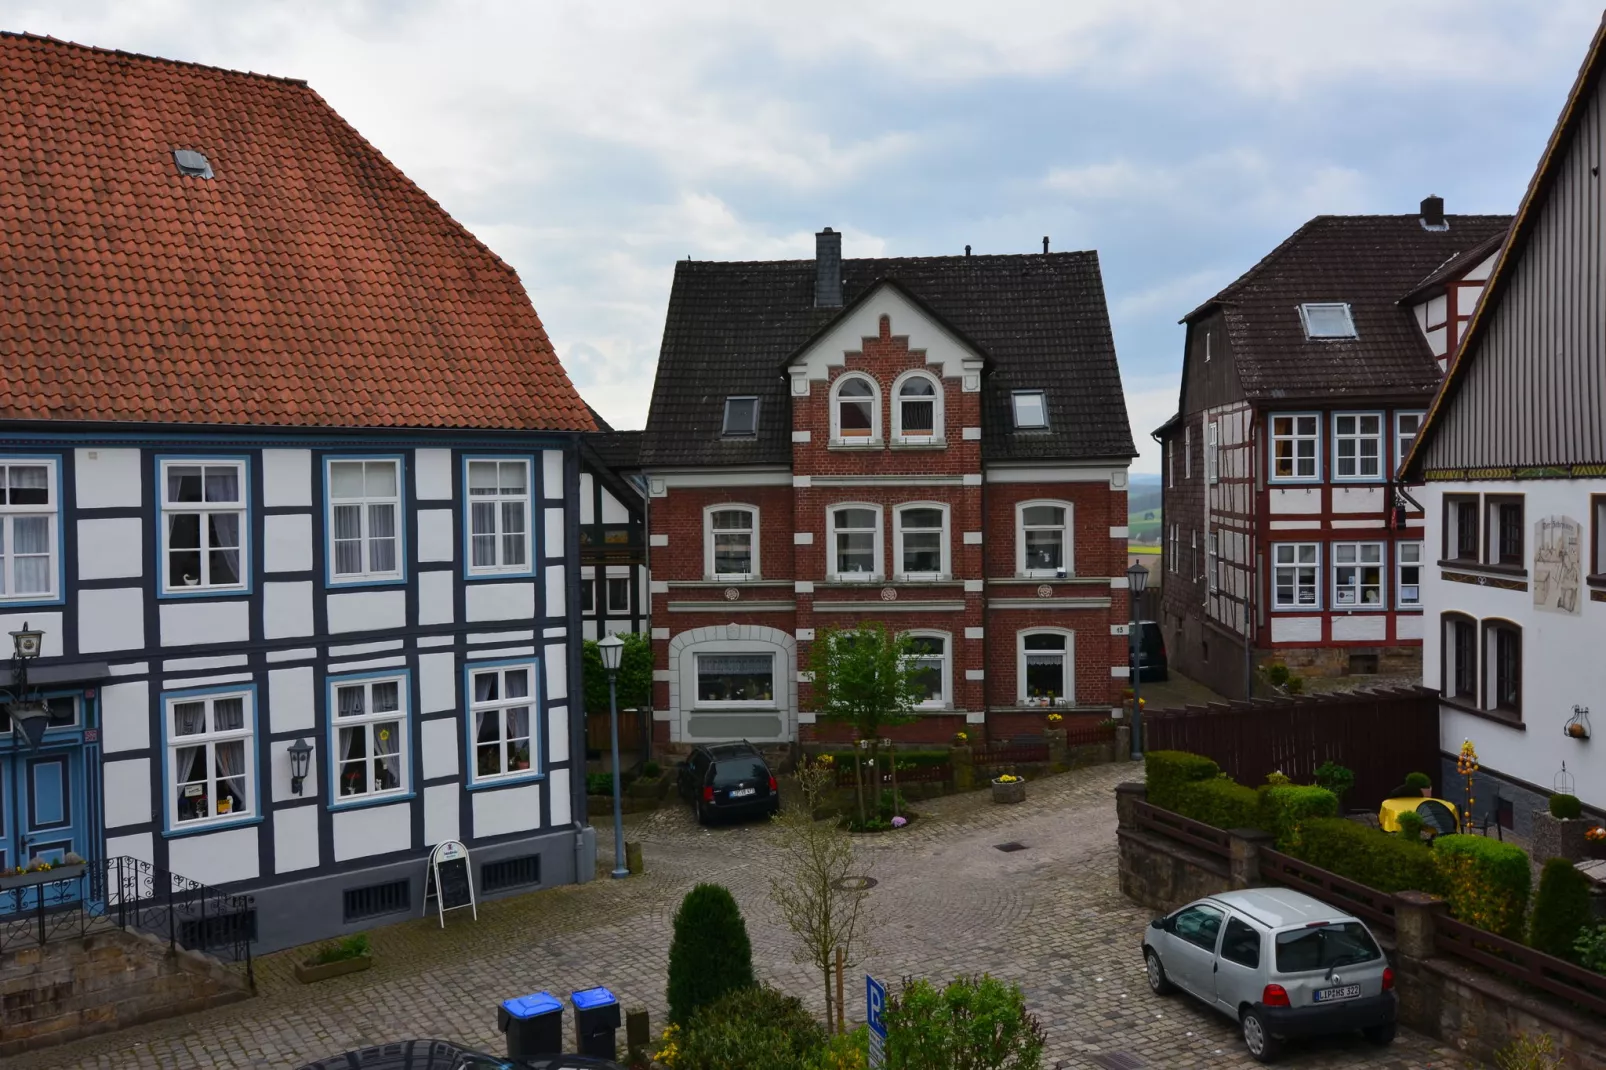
(1137,578)
(27,642)
(300,758)
(27,710)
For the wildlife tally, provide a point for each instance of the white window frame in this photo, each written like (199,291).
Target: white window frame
(1401,564)
(708,541)
(1327,306)
(946,569)
(1295,436)
(9,514)
(874,438)
(1339,439)
(878,574)
(936,436)
(1187,451)
(946,699)
(1014,409)
(1360,549)
(1402,441)
(1176,548)
(497,500)
(1171,463)
(1315,584)
(610,581)
(1067,670)
(363,502)
(367,721)
(208,739)
(776,689)
(500,706)
(1213,560)
(204,510)
(1067,540)
(1212,457)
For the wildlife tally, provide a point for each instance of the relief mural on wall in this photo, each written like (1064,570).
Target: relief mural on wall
(1557,569)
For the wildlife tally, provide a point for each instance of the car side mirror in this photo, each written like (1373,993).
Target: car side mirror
(1157,923)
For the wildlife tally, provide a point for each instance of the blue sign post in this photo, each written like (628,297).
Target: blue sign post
(875,1001)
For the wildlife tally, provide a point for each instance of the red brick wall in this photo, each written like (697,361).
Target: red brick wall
(680,516)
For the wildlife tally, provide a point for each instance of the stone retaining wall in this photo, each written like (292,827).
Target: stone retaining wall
(108,980)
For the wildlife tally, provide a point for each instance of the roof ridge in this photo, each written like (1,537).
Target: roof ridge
(24,35)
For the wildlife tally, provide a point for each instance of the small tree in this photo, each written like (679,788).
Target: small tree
(635,674)
(808,883)
(710,954)
(864,677)
(1561,910)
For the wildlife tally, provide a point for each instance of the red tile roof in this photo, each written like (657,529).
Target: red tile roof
(309,283)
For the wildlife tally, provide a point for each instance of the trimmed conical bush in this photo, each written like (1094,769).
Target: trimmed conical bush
(710,954)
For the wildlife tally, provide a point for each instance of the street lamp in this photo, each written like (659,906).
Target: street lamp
(300,758)
(28,711)
(1137,581)
(612,649)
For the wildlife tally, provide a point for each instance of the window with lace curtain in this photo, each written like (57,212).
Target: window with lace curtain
(364,520)
(29,565)
(369,741)
(211,757)
(203,526)
(501,719)
(498,516)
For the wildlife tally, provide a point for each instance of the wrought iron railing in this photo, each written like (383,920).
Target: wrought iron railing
(128,893)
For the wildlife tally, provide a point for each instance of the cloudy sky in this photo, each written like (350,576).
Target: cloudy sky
(593,144)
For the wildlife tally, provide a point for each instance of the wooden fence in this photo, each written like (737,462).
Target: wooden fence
(1521,963)
(1207,838)
(1359,899)
(1379,735)
(634,726)
(1006,753)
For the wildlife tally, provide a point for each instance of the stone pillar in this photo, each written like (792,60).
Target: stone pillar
(638,1035)
(959,760)
(1555,838)
(1244,856)
(1057,755)
(1415,919)
(1126,795)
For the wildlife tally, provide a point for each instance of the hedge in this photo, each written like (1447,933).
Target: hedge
(1223,803)
(1485,881)
(1561,910)
(1367,855)
(1284,809)
(1167,771)
(755,1028)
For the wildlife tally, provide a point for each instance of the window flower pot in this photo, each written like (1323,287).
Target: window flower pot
(307,974)
(28,880)
(1009,791)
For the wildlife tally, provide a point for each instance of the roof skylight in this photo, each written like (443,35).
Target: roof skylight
(192,163)
(741,417)
(1031,409)
(1330,320)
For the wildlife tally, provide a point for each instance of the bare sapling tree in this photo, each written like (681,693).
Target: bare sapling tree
(812,886)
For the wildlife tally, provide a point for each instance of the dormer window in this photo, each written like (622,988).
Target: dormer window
(855,410)
(1031,410)
(741,417)
(1331,320)
(917,408)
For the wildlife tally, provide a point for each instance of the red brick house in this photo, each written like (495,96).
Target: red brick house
(936,443)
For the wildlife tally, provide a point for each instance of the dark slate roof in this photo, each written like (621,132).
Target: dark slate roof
(619,450)
(1039,319)
(1368,261)
(1453,268)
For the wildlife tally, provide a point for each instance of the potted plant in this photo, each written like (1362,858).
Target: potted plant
(521,758)
(349,954)
(1595,841)
(1009,788)
(1420,782)
(41,871)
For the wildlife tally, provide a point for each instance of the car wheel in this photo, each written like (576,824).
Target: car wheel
(1158,982)
(1258,1039)
(1381,1035)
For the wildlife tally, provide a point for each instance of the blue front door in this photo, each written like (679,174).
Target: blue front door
(41,812)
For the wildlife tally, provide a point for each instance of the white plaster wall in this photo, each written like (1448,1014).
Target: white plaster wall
(557,734)
(552,544)
(433,472)
(287,542)
(295,838)
(1358,500)
(1296,629)
(1360,626)
(435,535)
(125,716)
(138,845)
(556,669)
(372,830)
(1408,626)
(192,623)
(127,789)
(438,746)
(941,348)
(588,515)
(1294,499)
(613,510)
(291,705)
(552,473)
(441,820)
(1562,664)
(108,479)
(499,601)
(562,812)
(502,810)
(216,858)
(111,618)
(557,591)
(437,682)
(279,770)
(287,609)
(286,478)
(363,611)
(110,549)
(435,604)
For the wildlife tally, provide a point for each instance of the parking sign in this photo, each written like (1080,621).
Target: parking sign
(875,1001)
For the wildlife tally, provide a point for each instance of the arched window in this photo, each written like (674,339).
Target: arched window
(1047,668)
(930,665)
(1043,535)
(917,408)
(920,541)
(855,410)
(853,543)
(730,535)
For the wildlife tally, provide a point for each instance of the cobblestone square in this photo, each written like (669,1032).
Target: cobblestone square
(1049,918)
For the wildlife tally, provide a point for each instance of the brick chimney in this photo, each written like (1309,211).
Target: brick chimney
(828,269)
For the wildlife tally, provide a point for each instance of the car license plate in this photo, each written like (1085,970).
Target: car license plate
(1329,995)
(737,793)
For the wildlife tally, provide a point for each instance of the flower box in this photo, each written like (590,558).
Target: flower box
(28,880)
(307,973)
(1009,791)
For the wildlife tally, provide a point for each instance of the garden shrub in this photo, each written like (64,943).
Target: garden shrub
(1336,778)
(1277,674)
(843,1051)
(1561,910)
(1566,807)
(1589,950)
(710,953)
(753,1028)
(979,1023)
(1284,808)
(1368,856)
(1485,881)
(1221,802)
(1168,770)
(651,770)
(1411,825)
(1418,781)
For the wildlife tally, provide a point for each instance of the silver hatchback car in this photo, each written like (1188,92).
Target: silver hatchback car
(1278,962)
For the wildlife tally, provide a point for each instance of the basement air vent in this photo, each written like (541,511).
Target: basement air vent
(508,873)
(392,897)
(192,163)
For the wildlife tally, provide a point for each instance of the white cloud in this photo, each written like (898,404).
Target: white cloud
(1150,401)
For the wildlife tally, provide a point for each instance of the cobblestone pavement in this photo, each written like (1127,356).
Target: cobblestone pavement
(1050,918)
